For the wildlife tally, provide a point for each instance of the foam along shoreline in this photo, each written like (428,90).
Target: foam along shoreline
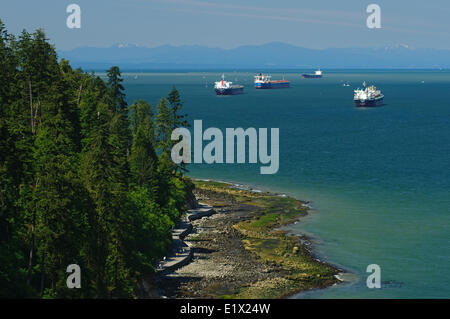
(242,251)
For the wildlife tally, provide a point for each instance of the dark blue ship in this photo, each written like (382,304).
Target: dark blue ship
(263,81)
(316,75)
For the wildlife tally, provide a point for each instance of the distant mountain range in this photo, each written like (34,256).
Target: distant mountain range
(273,55)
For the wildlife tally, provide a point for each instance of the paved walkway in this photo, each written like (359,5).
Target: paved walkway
(202,211)
(181,254)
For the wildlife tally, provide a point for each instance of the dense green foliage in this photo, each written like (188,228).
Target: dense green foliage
(84,178)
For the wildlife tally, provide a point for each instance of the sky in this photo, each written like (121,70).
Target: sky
(314,24)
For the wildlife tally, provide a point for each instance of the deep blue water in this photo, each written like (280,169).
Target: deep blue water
(377,178)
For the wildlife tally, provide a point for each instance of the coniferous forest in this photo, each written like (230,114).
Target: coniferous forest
(85,178)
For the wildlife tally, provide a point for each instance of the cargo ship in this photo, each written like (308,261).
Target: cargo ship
(316,75)
(227,88)
(264,82)
(369,96)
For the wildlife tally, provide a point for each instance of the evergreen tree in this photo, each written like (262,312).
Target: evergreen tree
(60,204)
(164,125)
(116,88)
(39,72)
(178,120)
(12,254)
(143,160)
(95,92)
(166,167)
(106,174)
(174,99)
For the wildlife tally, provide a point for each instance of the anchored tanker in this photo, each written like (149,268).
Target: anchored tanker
(227,88)
(264,82)
(370,96)
(317,75)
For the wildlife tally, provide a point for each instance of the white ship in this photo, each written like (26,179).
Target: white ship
(227,88)
(369,96)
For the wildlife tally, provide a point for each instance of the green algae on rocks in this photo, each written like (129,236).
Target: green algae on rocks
(263,237)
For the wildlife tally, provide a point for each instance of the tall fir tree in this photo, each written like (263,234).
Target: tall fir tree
(143,159)
(177,120)
(164,125)
(176,105)
(116,88)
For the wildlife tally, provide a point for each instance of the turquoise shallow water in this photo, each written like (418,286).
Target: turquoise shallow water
(378,179)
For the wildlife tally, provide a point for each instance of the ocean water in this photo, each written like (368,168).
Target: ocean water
(378,179)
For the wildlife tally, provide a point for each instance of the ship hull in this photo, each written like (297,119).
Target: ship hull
(230,91)
(273,85)
(311,76)
(368,103)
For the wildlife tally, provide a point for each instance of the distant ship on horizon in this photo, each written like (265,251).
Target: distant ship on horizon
(227,88)
(316,75)
(263,81)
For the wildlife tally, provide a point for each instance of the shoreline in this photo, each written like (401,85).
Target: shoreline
(307,238)
(243,252)
(306,203)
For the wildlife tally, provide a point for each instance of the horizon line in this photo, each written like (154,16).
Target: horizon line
(125,45)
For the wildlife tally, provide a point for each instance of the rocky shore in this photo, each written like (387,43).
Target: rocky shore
(240,252)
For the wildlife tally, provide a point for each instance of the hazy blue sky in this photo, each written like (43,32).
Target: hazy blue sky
(231,23)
